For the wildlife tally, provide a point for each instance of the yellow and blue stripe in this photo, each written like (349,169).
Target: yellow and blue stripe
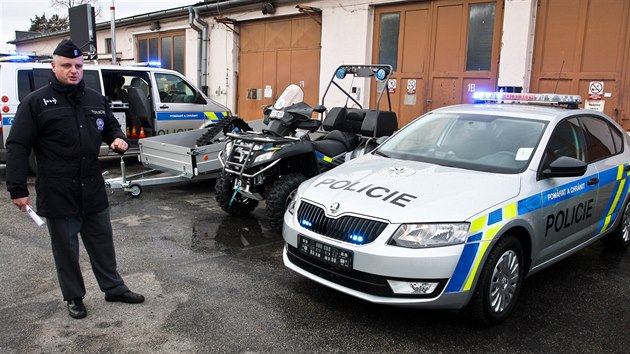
(484,228)
(213,116)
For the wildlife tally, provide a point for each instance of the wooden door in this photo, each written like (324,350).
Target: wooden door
(582,41)
(274,54)
(435,63)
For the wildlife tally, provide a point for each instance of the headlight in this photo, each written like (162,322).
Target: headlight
(228,148)
(263,157)
(429,235)
(292,204)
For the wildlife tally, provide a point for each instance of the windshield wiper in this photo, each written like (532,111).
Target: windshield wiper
(380,153)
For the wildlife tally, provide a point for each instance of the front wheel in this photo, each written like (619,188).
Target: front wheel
(619,239)
(282,193)
(499,282)
(230,201)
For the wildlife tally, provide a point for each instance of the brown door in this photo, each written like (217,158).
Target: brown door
(441,51)
(578,42)
(274,54)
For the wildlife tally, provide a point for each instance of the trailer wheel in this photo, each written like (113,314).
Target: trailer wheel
(233,204)
(281,194)
(135,190)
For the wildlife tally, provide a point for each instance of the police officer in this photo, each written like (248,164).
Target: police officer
(64,123)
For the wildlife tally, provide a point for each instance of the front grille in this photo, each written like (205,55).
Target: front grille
(313,218)
(364,282)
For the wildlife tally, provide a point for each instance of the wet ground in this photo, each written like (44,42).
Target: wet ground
(216,283)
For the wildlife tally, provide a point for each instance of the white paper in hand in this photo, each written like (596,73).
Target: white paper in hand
(34,216)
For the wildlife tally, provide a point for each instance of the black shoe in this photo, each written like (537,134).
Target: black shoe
(76,309)
(128,296)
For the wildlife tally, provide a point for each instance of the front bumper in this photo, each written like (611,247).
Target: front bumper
(374,264)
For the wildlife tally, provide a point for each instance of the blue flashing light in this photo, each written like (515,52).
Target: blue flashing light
(18,58)
(341,73)
(357,239)
(155,64)
(306,223)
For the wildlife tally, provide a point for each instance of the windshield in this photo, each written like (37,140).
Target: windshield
(471,141)
(291,95)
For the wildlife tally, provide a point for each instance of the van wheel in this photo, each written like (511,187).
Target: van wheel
(619,239)
(233,204)
(32,162)
(282,193)
(499,282)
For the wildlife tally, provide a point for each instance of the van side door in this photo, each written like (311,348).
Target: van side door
(179,105)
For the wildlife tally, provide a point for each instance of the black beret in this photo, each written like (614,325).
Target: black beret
(67,49)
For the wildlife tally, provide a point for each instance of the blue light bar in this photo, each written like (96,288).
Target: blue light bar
(509,97)
(306,223)
(358,239)
(16,58)
(155,64)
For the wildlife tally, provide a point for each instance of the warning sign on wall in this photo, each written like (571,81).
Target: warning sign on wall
(595,90)
(596,105)
(411,87)
(391,85)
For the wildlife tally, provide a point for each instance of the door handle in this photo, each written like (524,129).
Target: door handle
(593,181)
(163,106)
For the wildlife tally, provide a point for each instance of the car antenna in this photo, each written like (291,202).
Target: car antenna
(555,90)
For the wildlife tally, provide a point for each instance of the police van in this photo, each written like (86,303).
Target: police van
(458,207)
(146,100)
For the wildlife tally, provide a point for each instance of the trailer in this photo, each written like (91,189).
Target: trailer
(171,158)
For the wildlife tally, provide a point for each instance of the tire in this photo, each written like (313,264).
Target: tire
(280,196)
(224,192)
(135,190)
(499,283)
(619,239)
(208,137)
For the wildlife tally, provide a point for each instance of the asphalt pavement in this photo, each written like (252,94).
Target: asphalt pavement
(215,283)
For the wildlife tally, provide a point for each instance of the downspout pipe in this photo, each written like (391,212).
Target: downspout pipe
(193,25)
(204,51)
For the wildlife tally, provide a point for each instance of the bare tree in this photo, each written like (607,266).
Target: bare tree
(66,4)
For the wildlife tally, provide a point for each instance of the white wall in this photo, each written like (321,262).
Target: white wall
(517,43)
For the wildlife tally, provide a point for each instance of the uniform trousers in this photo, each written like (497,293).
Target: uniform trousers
(96,233)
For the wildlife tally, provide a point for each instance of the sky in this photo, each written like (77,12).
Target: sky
(16,15)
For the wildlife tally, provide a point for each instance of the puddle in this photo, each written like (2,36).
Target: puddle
(232,233)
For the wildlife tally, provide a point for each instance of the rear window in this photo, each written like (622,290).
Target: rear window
(31,80)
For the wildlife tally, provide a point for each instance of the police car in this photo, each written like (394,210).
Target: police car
(458,207)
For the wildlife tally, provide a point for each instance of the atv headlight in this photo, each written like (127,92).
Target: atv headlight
(429,235)
(263,157)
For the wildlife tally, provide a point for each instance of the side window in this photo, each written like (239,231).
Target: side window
(92,80)
(599,136)
(567,140)
(174,89)
(25,83)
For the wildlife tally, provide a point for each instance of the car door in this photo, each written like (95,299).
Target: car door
(605,147)
(180,106)
(568,203)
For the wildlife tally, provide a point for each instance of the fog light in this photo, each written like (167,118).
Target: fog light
(412,287)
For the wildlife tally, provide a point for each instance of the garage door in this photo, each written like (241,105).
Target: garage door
(274,54)
(581,44)
(442,51)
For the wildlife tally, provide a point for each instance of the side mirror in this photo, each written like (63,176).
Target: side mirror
(319,108)
(565,166)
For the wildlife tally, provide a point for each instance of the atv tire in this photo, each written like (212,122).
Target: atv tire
(224,192)
(281,194)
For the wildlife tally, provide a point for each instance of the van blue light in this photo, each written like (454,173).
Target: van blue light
(155,64)
(17,58)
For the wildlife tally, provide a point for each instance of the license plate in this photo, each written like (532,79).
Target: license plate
(324,252)
(276,114)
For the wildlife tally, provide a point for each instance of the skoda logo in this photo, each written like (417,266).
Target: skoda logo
(397,171)
(334,207)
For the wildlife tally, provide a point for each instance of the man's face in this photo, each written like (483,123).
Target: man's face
(68,71)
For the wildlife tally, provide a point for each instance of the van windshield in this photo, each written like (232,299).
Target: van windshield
(470,141)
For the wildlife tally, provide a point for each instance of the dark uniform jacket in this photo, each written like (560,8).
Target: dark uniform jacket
(65,126)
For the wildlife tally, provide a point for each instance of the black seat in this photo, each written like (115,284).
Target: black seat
(379,123)
(140,106)
(336,143)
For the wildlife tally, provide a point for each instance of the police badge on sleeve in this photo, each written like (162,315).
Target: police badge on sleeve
(100,124)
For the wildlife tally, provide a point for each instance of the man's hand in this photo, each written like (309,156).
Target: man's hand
(21,203)
(119,145)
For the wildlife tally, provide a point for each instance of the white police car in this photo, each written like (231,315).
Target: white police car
(458,207)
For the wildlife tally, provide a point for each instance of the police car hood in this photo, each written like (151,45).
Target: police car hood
(407,191)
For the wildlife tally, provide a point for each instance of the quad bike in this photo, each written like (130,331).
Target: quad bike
(271,164)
